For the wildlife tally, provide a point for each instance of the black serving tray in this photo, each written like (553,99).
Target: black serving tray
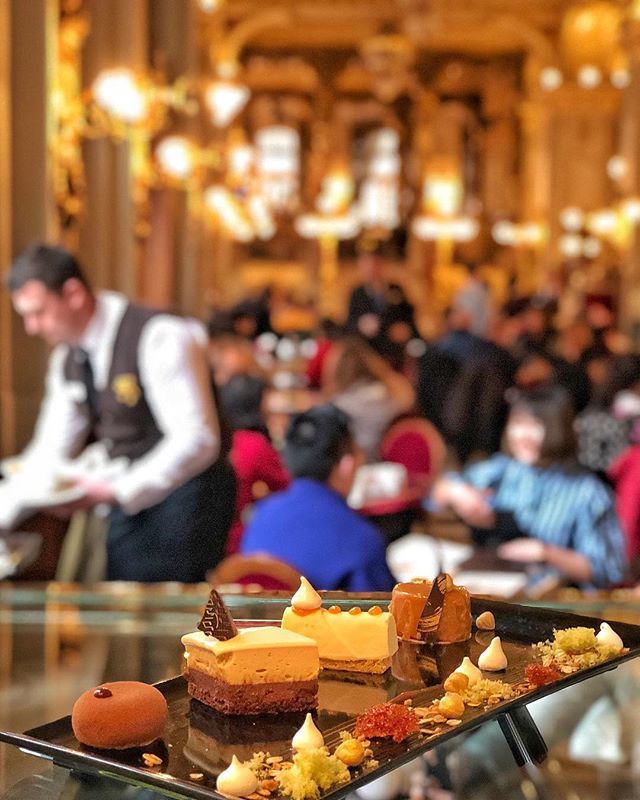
(200,740)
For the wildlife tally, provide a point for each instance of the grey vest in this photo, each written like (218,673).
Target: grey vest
(124,421)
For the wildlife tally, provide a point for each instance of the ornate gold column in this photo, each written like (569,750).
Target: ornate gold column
(171,268)
(536,158)
(108,245)
(568,137)
(500,145)
(7,405)
(27,35)
(629,148)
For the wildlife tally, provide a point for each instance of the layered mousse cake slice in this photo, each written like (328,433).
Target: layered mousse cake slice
(263,670)
(353,640)
(259,671)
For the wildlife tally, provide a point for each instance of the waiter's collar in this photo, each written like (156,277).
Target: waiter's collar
(108,304)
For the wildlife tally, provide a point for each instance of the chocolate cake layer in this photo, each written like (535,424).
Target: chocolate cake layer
(249,698)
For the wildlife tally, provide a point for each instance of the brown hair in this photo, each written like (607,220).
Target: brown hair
(352,365)
(553,408)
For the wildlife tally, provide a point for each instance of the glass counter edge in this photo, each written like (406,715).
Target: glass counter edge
(154,596)
(177,596)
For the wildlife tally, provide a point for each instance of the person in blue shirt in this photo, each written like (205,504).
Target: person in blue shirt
(536,500)
(310,525)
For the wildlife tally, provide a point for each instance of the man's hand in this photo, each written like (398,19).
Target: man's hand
(95,493)
(528,551)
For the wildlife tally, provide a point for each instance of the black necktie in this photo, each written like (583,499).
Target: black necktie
(86,373)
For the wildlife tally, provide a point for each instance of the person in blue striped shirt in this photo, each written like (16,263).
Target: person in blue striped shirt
(534,502)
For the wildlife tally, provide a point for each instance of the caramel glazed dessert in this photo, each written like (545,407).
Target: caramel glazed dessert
(353,640)
(262,670)
(437,612)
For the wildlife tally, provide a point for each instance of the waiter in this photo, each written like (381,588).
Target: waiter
(136,381)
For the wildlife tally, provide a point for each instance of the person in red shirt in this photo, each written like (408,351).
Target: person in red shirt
(258,467)
(624,473)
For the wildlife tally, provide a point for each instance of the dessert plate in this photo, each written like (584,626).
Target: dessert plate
(199,742)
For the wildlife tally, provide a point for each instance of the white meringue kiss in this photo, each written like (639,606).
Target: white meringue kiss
(237,780)
(468,668)
(493,658)
(308,737)
(609,637)
(306,598)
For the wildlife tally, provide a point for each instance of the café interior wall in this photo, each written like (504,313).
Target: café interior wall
(563,144)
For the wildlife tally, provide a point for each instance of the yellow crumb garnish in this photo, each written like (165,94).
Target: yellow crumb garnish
(573,649)
(485,689)
(313,771)
(575,640)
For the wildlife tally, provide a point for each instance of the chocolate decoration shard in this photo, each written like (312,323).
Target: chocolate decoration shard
(430,619)
(216,620)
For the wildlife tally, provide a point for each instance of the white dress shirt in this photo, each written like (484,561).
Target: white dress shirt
(174,374)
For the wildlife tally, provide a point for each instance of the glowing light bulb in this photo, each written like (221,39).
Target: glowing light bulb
(572,218)
(504,233)
(225,100)
(620,78)
(570,245)
(617,167)
(176,157)
(631,208)
(550,79)
(591,247)
(119,93)
(589,76)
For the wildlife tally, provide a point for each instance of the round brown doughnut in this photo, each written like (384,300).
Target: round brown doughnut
(134,715)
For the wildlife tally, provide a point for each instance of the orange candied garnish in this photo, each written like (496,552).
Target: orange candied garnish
(303,611)
(335,610)
(391,719)
(539,675)
(355,610)
(375,611)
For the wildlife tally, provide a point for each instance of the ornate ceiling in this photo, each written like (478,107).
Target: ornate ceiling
(467,26)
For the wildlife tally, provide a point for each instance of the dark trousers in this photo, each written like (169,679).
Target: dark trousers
(178,539)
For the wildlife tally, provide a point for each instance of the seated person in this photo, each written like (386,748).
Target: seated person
(605,427)
(362,384)
(624,473)
(552,511)
(310,525)
(256,462)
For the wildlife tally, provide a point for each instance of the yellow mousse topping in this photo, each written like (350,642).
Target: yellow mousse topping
(256,655)
(352,635)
